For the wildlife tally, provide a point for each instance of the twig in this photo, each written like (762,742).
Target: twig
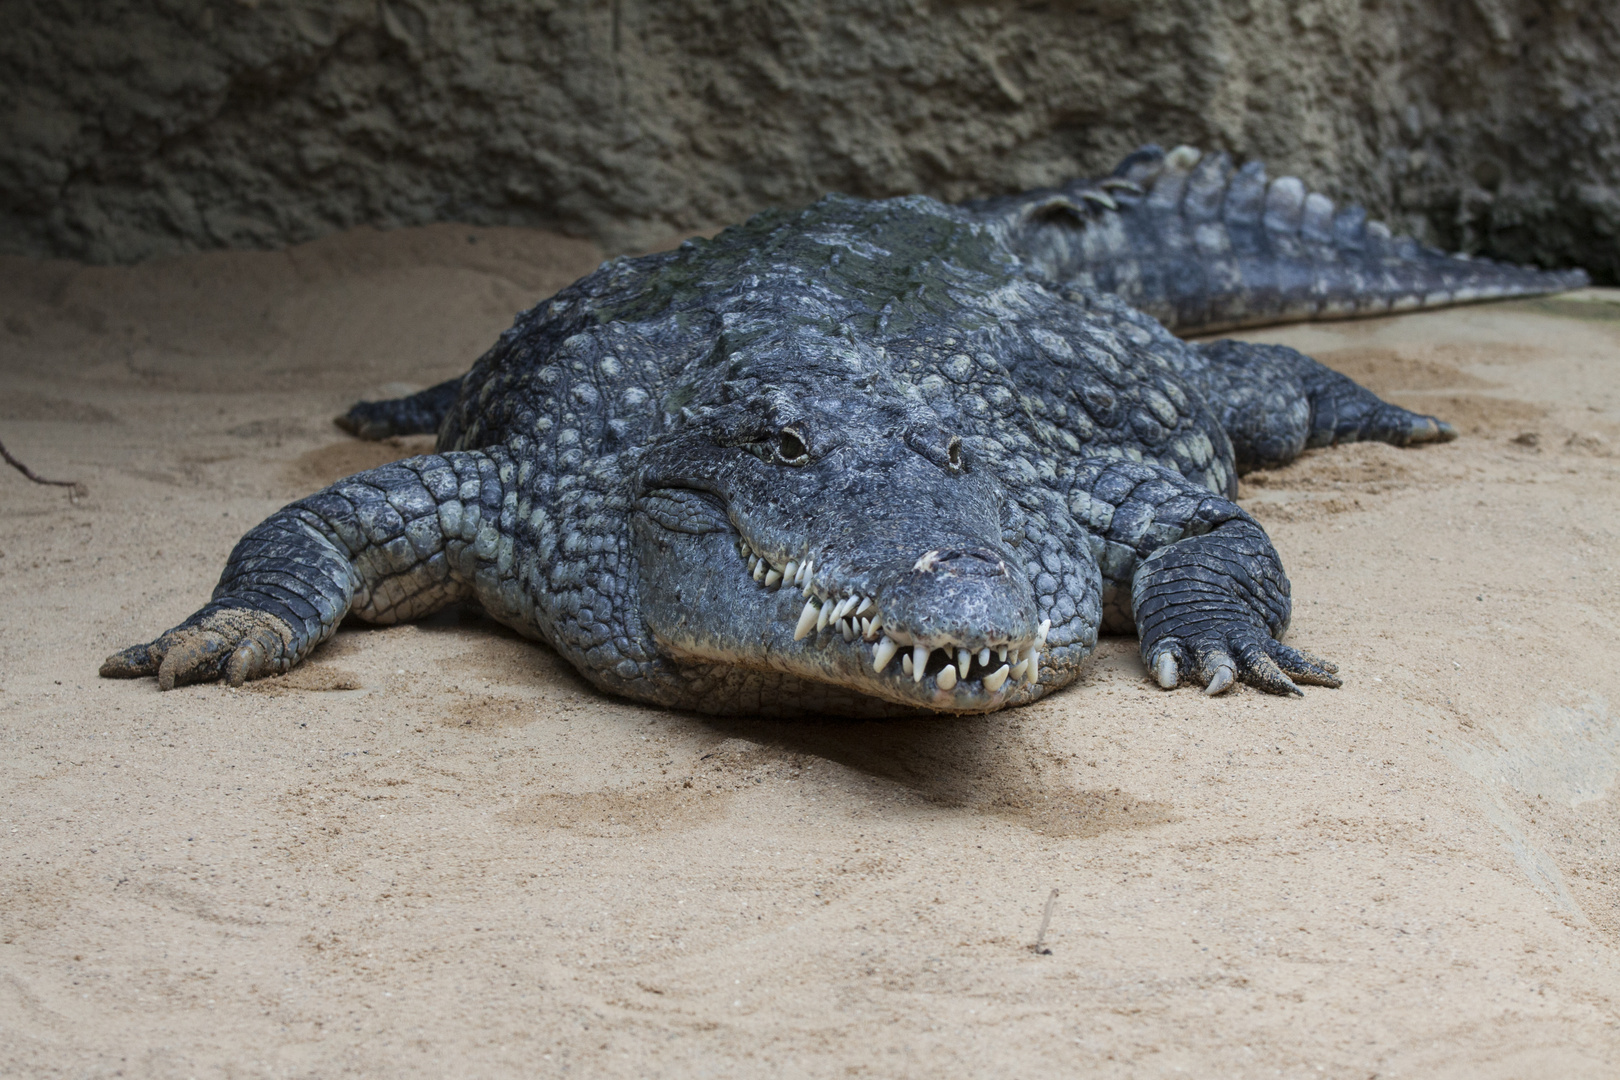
(1046,920)
(76,489)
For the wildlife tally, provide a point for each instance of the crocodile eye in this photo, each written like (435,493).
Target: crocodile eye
(790,448)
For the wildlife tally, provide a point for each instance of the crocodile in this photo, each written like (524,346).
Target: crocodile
(870,457)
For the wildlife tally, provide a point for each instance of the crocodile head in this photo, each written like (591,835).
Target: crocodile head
(826,523)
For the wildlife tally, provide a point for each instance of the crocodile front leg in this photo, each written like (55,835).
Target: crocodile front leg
(1208,595)
(390,544)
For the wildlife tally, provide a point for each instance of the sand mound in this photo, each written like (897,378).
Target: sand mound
(433,850)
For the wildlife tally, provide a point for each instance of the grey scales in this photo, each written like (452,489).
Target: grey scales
(870,458)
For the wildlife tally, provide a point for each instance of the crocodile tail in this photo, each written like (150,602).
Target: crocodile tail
(419,414)
(1203,246)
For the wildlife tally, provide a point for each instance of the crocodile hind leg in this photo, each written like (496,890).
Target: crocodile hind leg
(1274,402)
(387,545)
(419,414)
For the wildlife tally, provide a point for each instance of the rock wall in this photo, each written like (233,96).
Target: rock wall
(138,128)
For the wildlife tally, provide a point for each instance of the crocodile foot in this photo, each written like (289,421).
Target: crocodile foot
(1220,656)
(1403,427)
(236,644)
(1209,610)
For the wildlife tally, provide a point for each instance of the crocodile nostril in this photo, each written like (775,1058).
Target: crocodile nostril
(963,562)
(938,446)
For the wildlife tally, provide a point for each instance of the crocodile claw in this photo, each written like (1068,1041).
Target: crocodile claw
(1220,680)
(1429,429)
(1166,670)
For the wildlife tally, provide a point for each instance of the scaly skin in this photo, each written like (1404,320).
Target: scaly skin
(1202,246)
(868,458)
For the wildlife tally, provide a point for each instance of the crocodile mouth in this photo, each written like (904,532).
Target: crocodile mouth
(981,671)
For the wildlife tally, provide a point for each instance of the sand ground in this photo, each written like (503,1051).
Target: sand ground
(433,850)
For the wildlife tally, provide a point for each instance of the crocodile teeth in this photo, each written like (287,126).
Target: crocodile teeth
(807,620)
(858,616)
(759,570)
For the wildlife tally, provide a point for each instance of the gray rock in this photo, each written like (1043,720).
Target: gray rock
(133,130)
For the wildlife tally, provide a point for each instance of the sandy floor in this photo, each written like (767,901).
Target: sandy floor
(433,850)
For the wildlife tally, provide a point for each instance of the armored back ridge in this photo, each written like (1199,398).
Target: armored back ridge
(866,458)
(1202,246)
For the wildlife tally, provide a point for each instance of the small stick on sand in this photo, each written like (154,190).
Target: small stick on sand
(76,489)
(1046,920)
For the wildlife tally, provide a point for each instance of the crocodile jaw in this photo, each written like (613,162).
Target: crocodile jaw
(950,629)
